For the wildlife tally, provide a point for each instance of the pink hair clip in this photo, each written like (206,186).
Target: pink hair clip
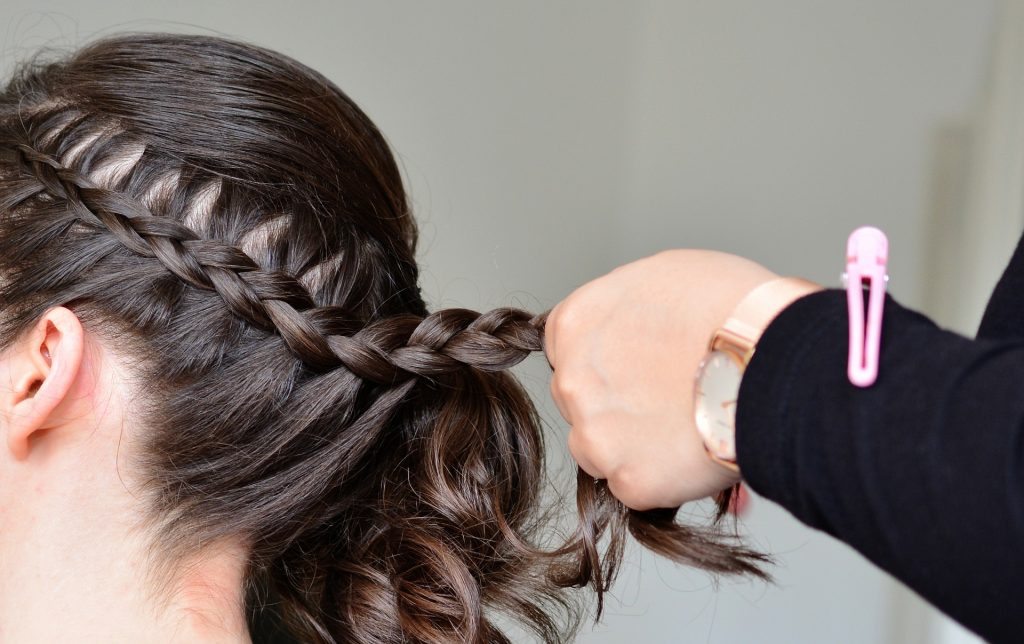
(867,252)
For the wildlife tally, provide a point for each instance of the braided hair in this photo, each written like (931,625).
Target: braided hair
(238,226)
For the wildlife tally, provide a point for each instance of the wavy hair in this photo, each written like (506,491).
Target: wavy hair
(239,227)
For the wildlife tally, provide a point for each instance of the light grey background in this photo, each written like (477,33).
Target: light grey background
(545,143)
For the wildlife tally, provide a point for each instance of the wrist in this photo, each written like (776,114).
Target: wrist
(716,390)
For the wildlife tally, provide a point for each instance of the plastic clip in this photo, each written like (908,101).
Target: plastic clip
(867,253)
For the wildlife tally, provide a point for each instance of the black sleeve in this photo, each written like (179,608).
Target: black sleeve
(1004,314)
(922,473)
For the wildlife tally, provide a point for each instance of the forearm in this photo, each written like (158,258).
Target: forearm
(921,472)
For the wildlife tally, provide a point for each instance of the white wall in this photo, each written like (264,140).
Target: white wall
(547,142)
(773,130)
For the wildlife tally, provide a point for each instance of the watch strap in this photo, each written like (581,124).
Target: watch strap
(744,328)
(761,305)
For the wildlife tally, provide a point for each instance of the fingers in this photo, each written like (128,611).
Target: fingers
(564,396)
(551,330)
(578,448)
(560,402)
(567,392)
(629,484)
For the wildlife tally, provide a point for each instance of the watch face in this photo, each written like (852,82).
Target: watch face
(718,384)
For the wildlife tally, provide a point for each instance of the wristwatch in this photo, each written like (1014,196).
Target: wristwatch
(731,348)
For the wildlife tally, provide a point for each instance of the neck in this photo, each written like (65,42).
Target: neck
(75,570)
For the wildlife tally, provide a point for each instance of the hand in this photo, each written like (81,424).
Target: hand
(625,349)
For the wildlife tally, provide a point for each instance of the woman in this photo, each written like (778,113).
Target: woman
(223,394)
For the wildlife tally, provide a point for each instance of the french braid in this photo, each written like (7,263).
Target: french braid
(384,351)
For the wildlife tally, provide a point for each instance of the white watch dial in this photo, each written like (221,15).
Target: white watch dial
(716,391)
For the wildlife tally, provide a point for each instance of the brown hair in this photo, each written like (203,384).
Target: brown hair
(239,226)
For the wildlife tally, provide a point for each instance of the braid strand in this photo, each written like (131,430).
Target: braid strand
(385,351)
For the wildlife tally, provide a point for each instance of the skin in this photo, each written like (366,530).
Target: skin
(70,547)
(625,349)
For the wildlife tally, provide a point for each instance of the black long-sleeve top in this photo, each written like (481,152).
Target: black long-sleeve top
(922,473)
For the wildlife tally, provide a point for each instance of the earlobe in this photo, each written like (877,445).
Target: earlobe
(44,368)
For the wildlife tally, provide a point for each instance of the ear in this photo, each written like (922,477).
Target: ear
(44,366)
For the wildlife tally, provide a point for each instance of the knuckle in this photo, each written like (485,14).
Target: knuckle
(585,444)
(579,440)
(575,448)
(556,393)
(631,486)
(566,386)
(560,403)
(564,318)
